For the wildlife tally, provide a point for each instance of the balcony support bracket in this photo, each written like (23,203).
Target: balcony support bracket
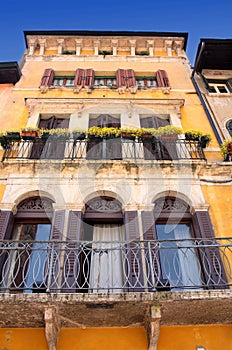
(153,327)
(52,327)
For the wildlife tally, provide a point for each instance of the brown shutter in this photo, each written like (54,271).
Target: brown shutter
(6,224)
(130,77)
(54,254)
(213,269)
(133,252)
(72,253)
(162,78)
(229,84)
(47,78)
(89,77)
(120,77)
(79,79)
(151,249)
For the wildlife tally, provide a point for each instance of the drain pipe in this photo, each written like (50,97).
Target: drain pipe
(218,137)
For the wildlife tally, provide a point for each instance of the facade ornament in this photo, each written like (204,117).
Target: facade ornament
(96,47)
(178,47)
(115,46)
(31,103)
(132,47)
(31,45)
(171,204)
(36,204)
(103,205)
(168,47)
(78,46)
(60,46)
(42,45)
(150,46)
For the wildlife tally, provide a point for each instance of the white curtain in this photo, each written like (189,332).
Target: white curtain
(106,272)
(189,266)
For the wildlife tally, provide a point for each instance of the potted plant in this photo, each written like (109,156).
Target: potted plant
(128,133)
(169,132)
(226,149)
(29,133)
(105,53)
(12,135)
(146,134)
(59,133)
(78,134)
(3,140)
(142,53)
(198,135)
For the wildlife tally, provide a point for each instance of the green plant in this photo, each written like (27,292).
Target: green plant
(103,132)
(105,52)
(198,135)
(224,147)
(67,52)
(142,53)
(30,128)
(169,130)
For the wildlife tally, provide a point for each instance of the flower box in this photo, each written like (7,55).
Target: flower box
(29,134)
(13,136)
(78,136)
(128,136)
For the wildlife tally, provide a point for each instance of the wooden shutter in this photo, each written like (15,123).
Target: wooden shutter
(120,77)
(54,256)
(47,78)
(229,84)
(94,149)
(6,224)
(79,79)
(130,78)
(89,77)
(162,78)
(113,148)
(212,266)
(72,253)
(154,275)
(133,252)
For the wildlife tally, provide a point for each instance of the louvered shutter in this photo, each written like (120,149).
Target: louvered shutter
(120,77)
(133,252)
(55,253)
(79,79)
(162,78)
(130,78)
(229,84)
(212,266)
(89,77)
(6,224)
(72,258)
(154,275)
(47,78)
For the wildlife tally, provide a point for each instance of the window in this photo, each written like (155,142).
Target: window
(63,81)
(99,148)
(50,148)
(229,127)
(106,81)
(218,86)
(146,82)
(25,265)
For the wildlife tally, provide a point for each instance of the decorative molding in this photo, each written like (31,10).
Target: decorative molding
(171,204)
(103,205)
(52,327)
(36,204)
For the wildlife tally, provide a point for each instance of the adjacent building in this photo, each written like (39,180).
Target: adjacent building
(114,210)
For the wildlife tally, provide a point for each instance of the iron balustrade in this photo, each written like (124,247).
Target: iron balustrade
(104,149)
(115,267)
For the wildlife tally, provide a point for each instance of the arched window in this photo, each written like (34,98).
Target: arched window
(25,266)
(181,251)
(229,127)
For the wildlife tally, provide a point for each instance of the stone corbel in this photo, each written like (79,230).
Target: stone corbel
(168,47)
(80,109)
(150,46)
(178,47)
(31,45)
(78,46)
(60,46)
(31,104)
(153,327)
(42,45)
(130,108)
(52,327)
(96,47)
(114,46)
(132,47)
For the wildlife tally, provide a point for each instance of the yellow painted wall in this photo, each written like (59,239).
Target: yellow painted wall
(76,339)
(2,187)
(211,337)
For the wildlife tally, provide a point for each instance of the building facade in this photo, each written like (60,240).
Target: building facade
(115,212)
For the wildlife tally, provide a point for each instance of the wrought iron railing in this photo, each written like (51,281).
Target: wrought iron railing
(111,149)
(115,267)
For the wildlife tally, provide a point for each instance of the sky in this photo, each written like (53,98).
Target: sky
(199,18)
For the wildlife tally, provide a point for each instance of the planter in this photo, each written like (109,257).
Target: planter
(146,137)
(169,138)
(45,136)
(128,136)
(229,149)
(94,138)
(13,136)
(29,135)
(3,142)
(78,136)
(204,141)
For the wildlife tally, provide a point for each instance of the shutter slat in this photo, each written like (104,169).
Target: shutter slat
(120,77)
(130,75)
(162,78)
(133,252)
(47,78)
(213,268)
(6,224)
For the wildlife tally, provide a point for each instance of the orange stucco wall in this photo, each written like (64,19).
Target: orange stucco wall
(211,337)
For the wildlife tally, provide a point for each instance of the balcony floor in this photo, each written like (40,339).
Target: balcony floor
(116,310)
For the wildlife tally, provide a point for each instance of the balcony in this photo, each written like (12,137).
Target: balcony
(104,149)
(115,267)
